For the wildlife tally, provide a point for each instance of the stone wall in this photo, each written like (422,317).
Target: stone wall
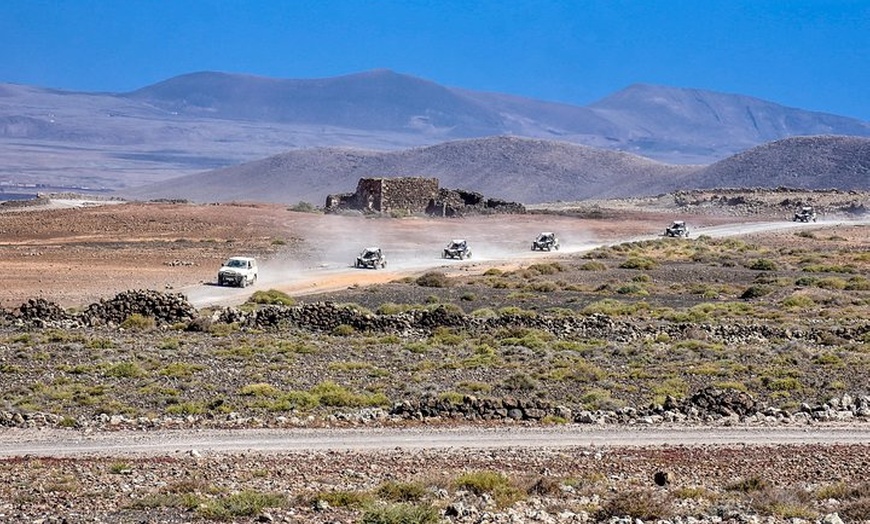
(414,195)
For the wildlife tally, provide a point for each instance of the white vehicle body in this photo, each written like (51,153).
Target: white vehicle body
(238,271)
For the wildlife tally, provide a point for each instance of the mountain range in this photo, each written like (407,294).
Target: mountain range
(314,136)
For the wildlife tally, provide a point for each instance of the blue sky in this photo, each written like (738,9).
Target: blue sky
(808,54)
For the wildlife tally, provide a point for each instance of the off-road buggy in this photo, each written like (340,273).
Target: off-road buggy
(457,249)
(545,241)
(238,271)
(805,214)
(677,229)
(371,257)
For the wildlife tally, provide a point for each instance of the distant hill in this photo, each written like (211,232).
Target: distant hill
(666,123)
(511,168)
(526,170)
(200,121)
(815,162)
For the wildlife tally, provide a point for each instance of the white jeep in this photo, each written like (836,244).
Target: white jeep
(238,271)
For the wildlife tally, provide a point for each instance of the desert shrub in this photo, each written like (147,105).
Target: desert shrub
(547,269)
(595,399)
(484,313)
(389,308)
(271,297)
(782,384)
(592,266)
(331,394)
(806,281)
(516,311)
(138,322)
(100,343)
(520,382)
(180,369)
(835,283)
(858,283)
(612,307)
(798,302)
(492,272)
(787,504)
(748,485)
(401,514)
(632,289)
(343,330)
(246,503)
(496,484)
(762,264)
(822,268)
(303,207)
(124,370)
(639,263)
(755,291)
(828,359)
(259,390)
(344,499)
(543,287)
(433,279)
(643,505)
(401,491)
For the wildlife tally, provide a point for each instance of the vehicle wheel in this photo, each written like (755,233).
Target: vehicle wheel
(533,247)
(557,248)
(469,255)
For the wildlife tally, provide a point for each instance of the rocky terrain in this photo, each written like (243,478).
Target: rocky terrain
(764,329)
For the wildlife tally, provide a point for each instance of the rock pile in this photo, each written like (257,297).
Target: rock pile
(326,316)
(709,405)
(164,308)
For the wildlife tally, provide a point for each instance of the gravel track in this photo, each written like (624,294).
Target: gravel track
(60,443)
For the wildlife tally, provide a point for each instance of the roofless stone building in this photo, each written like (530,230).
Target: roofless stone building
(416,195)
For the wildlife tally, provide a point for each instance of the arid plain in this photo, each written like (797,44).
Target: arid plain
(751,303)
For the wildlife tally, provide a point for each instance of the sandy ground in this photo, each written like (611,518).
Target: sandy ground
(76,255)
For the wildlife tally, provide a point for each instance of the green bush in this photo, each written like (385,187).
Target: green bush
(755,291)
(835,283)
(401,491)
(124,370)
(401,514)
(304,207)
(547,269)
(246,503)
(639,263)
(138,322)
(762,264)
(593,266)
(433,279)
(497,485)
(259,390)
(643,505)
(271,297)
(798,302)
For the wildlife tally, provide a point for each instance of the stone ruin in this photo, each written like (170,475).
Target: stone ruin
(415,195)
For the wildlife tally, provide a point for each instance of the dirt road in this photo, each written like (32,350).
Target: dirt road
(71,443)
(413,247)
